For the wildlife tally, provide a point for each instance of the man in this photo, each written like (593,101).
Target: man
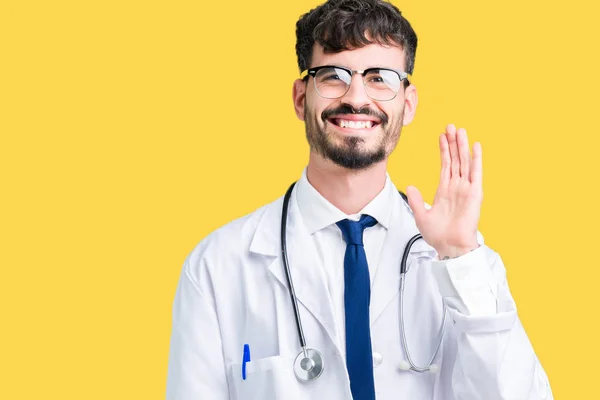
(235,335)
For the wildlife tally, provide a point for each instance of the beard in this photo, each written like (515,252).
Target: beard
(351,154)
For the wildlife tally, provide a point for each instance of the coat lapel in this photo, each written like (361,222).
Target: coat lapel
(386,283)
(308,278)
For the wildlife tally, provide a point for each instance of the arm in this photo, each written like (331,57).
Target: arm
(196,367)
(494,358)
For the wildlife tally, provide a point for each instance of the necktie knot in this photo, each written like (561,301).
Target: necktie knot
(353,230)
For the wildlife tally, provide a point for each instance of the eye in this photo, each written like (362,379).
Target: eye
(331,77)
(375,79)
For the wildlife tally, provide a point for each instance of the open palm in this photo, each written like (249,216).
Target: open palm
(450,225)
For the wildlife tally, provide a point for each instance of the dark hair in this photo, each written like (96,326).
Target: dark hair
(339,25)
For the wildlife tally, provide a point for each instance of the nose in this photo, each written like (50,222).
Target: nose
(356,96)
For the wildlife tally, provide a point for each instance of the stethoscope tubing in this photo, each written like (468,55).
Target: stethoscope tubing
(441,330)
(286,265)
(313,355)
(403,270)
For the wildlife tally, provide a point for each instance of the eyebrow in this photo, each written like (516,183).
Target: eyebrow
(362,69)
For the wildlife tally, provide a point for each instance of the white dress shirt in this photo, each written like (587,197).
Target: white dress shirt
(234,291)
(464,286)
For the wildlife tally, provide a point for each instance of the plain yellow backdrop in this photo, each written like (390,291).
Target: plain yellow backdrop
(132,129)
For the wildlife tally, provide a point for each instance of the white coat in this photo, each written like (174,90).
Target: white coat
(233,291)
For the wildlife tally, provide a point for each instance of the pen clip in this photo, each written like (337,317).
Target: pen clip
(245,359)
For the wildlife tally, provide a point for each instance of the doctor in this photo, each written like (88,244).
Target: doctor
(346,230)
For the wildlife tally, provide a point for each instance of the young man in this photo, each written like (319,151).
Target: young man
(235,332)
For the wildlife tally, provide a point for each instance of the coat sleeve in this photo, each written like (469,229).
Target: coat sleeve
(493,358)
(196,368)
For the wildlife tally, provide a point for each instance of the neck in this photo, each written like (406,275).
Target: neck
(348,190)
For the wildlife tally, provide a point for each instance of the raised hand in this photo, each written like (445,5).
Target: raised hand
(450,225)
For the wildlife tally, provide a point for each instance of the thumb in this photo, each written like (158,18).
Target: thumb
(415,201)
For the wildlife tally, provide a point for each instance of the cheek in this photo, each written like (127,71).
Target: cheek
(394,111)
(315,107)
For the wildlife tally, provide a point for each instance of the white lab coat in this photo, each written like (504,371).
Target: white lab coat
(233,291)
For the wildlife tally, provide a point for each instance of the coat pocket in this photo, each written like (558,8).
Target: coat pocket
(266,379)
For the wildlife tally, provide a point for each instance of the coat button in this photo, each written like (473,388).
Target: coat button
(377,359)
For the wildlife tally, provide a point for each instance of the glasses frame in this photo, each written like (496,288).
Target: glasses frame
(313,72)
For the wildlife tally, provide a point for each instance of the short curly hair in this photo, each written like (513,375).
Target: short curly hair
(340,25)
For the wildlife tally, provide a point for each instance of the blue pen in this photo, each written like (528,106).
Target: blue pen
(245,359)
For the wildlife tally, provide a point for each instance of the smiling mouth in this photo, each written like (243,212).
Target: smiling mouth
(353,124)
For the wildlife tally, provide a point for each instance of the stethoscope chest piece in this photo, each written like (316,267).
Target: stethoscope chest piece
(308,365)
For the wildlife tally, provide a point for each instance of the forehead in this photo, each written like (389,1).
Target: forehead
(371,55)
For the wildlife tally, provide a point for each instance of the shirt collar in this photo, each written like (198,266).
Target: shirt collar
(318,213)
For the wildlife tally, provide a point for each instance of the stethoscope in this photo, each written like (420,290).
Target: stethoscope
(309,365)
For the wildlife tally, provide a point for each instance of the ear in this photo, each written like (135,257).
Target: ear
(299,95)
(410,104)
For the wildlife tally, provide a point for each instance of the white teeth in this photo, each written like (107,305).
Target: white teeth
(356,124)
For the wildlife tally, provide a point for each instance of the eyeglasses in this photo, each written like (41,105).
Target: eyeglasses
(333,82)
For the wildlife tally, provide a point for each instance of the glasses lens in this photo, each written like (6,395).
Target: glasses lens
(332,83)
(382,84)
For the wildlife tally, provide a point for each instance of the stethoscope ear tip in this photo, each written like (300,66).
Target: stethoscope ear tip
(404,365)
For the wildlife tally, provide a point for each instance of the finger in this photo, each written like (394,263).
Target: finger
(415,201)
(455,162)
(463,151)
(477,167)
(445,156)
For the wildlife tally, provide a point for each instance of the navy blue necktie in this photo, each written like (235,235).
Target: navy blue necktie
(357,296)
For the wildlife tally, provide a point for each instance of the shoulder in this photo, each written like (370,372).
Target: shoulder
(229,244)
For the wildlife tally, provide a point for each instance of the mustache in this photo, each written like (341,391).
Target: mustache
(349,110)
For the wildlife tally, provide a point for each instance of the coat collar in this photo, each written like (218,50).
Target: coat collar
(318,213)
(309,279)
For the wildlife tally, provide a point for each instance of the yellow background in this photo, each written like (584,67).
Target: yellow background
(132,129)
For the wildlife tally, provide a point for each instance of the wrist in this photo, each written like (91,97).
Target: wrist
(450,252)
